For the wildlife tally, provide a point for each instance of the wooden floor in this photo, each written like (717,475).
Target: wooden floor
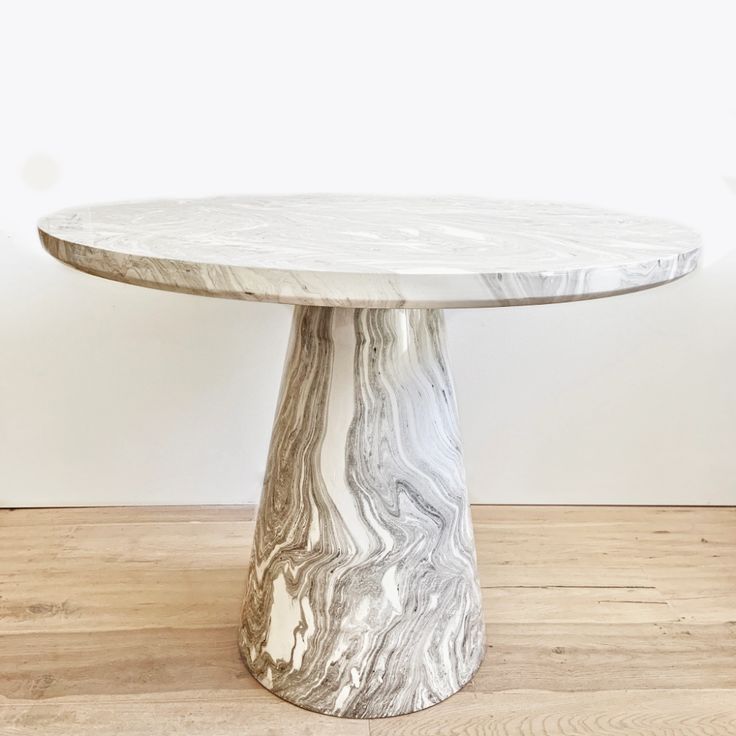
(600,621)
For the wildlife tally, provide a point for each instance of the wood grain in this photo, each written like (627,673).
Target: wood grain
(599,621)
(614,713)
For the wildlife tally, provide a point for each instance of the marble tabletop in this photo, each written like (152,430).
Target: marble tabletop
(372,251)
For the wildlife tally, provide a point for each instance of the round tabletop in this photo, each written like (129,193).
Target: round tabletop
(365,251)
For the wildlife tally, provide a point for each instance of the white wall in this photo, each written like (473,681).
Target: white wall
(115,394)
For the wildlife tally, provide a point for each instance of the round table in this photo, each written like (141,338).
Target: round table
(362,595)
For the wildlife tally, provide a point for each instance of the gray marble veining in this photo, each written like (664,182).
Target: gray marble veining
(362,597)
(360,251)
(362,594)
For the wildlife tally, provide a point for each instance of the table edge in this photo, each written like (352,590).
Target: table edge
(427,291)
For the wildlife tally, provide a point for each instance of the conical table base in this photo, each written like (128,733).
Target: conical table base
(362,597)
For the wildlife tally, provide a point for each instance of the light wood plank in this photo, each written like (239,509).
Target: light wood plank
(583,656)
(176,664)
(125,514)
(600,620)
(535,713)
(136,597)
(608,605)
(262,715)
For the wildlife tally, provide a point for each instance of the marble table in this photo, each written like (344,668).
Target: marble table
(362,595)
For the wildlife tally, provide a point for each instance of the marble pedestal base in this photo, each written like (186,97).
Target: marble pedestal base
(362,597)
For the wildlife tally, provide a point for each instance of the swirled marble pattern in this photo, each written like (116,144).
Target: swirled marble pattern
(362,597)
(360,251)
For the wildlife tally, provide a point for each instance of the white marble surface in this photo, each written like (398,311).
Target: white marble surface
(361,251)
(364,533)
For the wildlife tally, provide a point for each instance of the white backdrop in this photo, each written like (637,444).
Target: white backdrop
(111,394)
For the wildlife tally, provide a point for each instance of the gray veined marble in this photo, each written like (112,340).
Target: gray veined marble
(362,594)
(354,251)
(362,597)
